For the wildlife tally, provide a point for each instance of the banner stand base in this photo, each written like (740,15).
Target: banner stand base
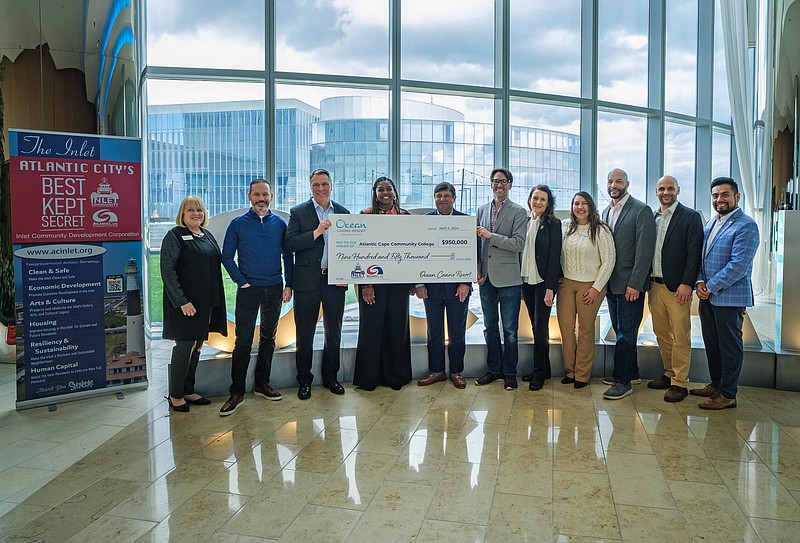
(83,395)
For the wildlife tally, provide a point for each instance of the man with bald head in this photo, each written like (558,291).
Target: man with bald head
(634,230)
(678,249)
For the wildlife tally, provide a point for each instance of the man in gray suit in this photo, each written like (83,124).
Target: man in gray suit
(634,229)
(501,229)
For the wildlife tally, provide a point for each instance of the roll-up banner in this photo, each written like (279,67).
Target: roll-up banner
(77,231)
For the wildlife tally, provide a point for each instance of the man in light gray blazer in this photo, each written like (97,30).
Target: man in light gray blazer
(634,228)
(501,229)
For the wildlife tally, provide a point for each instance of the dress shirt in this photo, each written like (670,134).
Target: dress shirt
(662,223)
(323,215)
(615,210)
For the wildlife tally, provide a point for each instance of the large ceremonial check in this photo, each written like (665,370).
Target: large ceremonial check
(402,249)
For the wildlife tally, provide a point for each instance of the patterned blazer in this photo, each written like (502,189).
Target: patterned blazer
(727,263)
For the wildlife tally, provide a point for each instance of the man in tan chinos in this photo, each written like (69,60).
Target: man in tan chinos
(676,261)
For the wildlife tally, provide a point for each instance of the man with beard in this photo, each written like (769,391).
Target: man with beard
(634,229)
(256,238)
(730,241)
(501,229)
(452,298)
(679,241)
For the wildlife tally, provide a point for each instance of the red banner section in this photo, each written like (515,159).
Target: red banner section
(57,200)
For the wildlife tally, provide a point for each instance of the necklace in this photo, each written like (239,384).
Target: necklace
(197,234)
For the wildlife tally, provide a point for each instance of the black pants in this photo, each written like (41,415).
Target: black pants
(383,355)
(250,302)
(306,310)
(539,313)
(182,367)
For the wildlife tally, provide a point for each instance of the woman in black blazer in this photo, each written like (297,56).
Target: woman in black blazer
(194,298)
(541,268)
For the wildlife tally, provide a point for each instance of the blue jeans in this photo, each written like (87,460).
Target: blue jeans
(625,318)
(501,359)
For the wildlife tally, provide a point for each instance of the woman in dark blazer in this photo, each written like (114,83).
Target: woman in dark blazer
(194,298)
(541,268)
(383,355)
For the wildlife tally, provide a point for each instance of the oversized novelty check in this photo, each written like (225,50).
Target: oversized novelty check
(402,249)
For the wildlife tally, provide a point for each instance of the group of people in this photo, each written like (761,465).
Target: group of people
(528,255)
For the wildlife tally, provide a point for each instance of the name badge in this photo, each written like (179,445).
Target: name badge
(188,238)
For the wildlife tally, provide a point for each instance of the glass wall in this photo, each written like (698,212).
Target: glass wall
(559,92)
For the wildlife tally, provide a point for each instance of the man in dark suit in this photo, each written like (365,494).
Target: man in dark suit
(307,238)
(679,241)
(730,241)
(634,230)
(452,298)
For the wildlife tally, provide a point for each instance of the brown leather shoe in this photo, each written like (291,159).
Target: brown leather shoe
(432,378)
(675,394)
(487,378)
(230,406)
(706,392)
(458,381)
(660,383)
(266,391)
(717,402)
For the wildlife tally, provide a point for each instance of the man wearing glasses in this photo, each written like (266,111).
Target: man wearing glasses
(501,229)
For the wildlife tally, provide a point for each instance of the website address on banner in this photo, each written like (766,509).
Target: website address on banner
(60,251)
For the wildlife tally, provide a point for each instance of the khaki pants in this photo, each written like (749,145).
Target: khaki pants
(672,324)
(578,357)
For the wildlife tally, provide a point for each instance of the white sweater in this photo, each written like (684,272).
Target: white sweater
(582,260)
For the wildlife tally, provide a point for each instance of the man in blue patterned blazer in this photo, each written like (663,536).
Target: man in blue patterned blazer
(725,289)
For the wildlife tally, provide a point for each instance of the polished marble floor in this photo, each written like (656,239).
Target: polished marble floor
(421,464)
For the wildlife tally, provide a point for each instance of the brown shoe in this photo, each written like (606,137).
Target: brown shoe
(230,406)
(458,381)
(488,377)
(432,378)
(660,383)
(266,391)
(706,392)
(717,402)
(675,394)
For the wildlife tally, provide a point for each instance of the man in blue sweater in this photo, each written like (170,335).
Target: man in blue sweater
(257,239)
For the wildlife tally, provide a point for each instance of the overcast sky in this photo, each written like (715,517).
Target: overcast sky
(446,40)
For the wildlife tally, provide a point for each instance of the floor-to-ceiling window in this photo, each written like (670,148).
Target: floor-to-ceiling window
(559,92)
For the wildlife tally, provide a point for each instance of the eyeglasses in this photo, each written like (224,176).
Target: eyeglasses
(501,181)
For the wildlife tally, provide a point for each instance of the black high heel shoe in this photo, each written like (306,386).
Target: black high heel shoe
(183,408)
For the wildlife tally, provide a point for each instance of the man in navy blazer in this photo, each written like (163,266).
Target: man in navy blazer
(307,238)
(634,230)
(441,298)
(730,241)
(679,244)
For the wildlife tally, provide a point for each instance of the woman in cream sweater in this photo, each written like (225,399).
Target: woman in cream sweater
(587,260)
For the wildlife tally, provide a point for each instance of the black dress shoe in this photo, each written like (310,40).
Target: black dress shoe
(567,380)
(182,408)
(527,378)
(198,401)
(335,387)
(304,392)
(535,384)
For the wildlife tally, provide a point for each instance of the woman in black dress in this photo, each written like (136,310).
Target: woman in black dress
(194,298)
(383,355)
